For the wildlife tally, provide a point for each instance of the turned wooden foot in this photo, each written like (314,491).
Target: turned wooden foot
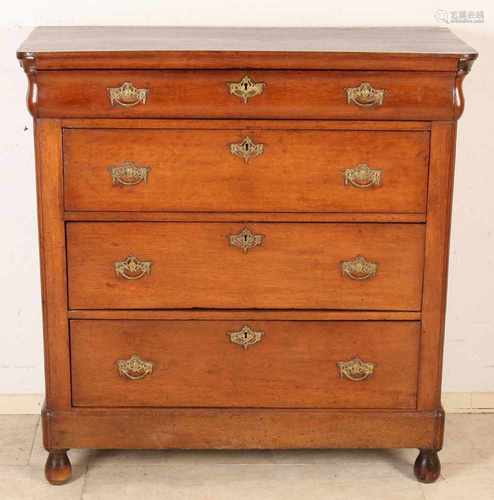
(58,469)
(427,467)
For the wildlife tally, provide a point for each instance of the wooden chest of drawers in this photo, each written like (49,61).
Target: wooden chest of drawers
(244,235)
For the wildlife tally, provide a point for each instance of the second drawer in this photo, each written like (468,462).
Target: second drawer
(246,170)
(147,265)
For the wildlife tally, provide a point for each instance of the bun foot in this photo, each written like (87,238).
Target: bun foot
(58,469)
(427,467)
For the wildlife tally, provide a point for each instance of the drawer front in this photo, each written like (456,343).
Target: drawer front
(216,94)
(245,170)
(257,265)
(298,364)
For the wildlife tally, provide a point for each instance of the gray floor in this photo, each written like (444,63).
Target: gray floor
(468,470)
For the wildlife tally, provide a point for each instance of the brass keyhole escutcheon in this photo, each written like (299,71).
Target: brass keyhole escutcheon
(245,337)
(246,88)
(246,149)
(246,239)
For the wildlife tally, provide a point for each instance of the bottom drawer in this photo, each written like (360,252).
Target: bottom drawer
(263,364)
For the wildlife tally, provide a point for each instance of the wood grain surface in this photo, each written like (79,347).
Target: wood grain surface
(194,170)
(383,48)
(205,391)
(203,428)
(294,365)
(194,265)
(287,95)
(49,174)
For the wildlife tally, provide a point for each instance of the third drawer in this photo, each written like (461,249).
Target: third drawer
(150,265)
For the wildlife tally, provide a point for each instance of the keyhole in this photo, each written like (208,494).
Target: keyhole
(245,86)
(245,335)
(245,238)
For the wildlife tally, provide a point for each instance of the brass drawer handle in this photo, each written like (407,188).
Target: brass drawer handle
(245,337)
(246,240)
(134,368)
(362,176)
(132,268)
(129,174)
(127,95)
(365,95)
(246,149)
(246,88)
(355,369)
(359,268)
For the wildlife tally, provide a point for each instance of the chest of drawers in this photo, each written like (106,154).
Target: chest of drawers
(244,235)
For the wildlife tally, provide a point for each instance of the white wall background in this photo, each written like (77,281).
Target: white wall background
(469,361)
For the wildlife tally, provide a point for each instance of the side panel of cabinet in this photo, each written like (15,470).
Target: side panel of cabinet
(440,188)
(48,140)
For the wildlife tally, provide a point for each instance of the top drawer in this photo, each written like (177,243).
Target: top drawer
(247,94)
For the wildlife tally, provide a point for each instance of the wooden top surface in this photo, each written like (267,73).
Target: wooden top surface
(121,47)
(388,40)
